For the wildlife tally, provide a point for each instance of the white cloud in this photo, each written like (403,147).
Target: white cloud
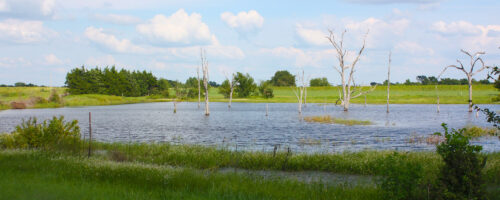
(110,41)
(178,29)
(467,35)
(47,7)
(456,28)
(52,59)
(213,51)
(413,48)
(118,19)
(7,62)
(311,36)
(19,31)
(380,32)
(4,6)
(243,22)
(33,9)
(107,60)
(301,58)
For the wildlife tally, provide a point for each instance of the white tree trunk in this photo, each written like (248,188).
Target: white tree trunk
(199,87)
(470,93)
(204,66)
(388,81)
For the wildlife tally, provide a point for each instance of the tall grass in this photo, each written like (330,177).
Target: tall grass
(77,175)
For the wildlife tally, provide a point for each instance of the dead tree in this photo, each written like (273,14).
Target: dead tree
(199,87)
(347,70)
(204,68)
(232,83)
(388,80)
(300,90)
(474,58)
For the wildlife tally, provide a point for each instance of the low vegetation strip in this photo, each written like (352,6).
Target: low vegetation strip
(400,94)
(77,175)
(327,119)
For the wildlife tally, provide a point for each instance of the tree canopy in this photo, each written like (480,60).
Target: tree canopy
(283,78)
(319,82)
(113,82)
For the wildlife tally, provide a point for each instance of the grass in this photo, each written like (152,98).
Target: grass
(35,175)
(327,119)
(476,131)
(400,94)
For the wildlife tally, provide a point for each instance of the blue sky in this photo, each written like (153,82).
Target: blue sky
(42,40)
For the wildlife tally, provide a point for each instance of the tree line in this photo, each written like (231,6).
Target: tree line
(110,81)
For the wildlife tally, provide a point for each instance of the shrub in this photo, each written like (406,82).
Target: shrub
(402,179)
(265,89)
(54,97)
(48,135)
(460,176)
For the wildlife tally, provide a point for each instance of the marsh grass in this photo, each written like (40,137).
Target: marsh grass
(476,131)
(327,119)
(144,181)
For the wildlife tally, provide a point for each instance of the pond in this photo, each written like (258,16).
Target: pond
(246,126)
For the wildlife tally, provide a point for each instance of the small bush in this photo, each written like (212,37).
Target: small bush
(402,179)
(54,97)
(48,135)
(460,176)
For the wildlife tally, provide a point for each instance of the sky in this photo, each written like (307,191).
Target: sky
(42,40)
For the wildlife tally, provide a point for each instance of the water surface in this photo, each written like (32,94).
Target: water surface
(246,127)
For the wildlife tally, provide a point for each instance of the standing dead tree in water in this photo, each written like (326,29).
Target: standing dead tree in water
(232,83)
(199,87)
(204,68)
(299,90)
(388,81)
(346,71)
(474,59)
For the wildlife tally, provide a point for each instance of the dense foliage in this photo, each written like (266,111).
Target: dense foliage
(460,176)
(266,90)
(48,135)
(113,82)
(245,85)
(283,78)
(319,82)
(402,178)
(432,80)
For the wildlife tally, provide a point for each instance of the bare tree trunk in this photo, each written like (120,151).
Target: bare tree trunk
(204,66)
(470,93)
(175,106)
(300,93)
(230,97)
(474,58)
(388,81)
(342,69)
(267,109)
(199,87)
(437,95)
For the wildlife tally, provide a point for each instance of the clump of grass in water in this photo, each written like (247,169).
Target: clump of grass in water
(327,119)
(476,131)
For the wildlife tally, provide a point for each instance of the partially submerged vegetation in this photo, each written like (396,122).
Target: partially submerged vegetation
(327,119)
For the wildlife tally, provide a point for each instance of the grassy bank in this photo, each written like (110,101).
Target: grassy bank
(400,94)
(35,175)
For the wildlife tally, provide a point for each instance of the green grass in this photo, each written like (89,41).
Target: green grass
(400,94)
(35,175)
(327,119)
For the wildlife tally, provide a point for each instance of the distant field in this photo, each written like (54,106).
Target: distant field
(401,94)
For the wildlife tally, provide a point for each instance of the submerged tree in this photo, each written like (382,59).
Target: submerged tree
(232,83)
(474,58)
(299,90)
(204,68)
(349,89)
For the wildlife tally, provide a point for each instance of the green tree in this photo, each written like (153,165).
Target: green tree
(319,82)
(266,90)
(460,176)
(225,88)
(283,78)
(245,85)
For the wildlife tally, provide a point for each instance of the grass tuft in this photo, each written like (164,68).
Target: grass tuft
(327,119)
